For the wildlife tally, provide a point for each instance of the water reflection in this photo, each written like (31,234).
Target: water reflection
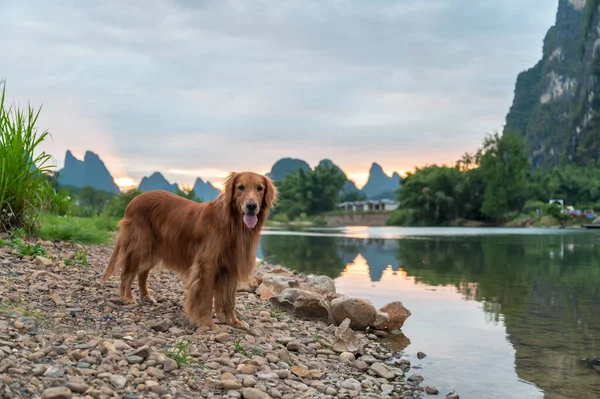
(538,295)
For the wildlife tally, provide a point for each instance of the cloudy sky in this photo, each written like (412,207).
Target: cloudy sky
(200,88)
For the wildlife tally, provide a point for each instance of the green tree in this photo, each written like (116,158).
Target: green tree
(189,194)
(310,192)
(504,166)
(434,195)
(91,201)
(117,205)
(351,196)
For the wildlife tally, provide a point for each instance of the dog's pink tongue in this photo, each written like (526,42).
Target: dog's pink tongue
(250,220)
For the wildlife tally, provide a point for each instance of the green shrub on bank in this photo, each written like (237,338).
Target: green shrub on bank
(82,230)
(116,206)
(25,190)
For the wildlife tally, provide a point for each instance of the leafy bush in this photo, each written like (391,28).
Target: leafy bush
(281,218)
(16,242)
(88,230)
(25,190)
(533,206)
(116,206)
(79,258)
(61,203)
(555,211)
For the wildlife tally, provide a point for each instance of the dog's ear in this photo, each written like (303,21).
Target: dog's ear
(271,193)
(229,186)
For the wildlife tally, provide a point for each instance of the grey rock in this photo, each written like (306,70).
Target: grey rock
(361,312)
(253,393)
(321,284)
(302,303)
(57,393)
(382,371)
(117,381)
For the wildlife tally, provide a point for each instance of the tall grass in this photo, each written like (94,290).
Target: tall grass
(24,187)
(82,230)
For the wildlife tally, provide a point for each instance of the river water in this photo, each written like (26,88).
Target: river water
(500,313)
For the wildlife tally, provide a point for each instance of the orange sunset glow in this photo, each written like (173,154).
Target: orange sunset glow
(126,183)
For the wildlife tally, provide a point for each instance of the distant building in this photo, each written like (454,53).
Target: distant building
(370,205)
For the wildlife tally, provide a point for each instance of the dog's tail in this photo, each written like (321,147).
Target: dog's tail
(111,268)
(112,263)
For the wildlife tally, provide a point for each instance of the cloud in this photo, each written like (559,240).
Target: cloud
(228,85)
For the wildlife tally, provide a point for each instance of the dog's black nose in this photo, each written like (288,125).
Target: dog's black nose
(251,206)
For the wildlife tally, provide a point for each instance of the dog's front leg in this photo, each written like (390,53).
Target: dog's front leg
(200,289)
(225,291)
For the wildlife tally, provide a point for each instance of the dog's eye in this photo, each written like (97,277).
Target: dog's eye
(241,188)
(259,188)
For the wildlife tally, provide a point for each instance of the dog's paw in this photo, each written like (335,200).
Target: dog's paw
(205,328)
(148,299)
(240,324)
(129,301)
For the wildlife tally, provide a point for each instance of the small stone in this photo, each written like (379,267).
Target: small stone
(429,390)
(222,338)
(421,355)
(78,387)
(161,326)
(415,378)
(361,365)
(248,369)
(397,316)
(57,300)
(253,393)
(368,359)
(14,297)
(156,373)
(387,389)
(54,372)
(249,381)
(170,365)
(117,381)
(345,339)
(293,346)
(351,384)
(267,376)
(231,384)
(142,351)
(347,357)
(382,371)
(43,261)
(57,393)
(452,395)
(134,359)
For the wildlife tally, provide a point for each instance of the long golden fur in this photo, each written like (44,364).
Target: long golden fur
(212,245)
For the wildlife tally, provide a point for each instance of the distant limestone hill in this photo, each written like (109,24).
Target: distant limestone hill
(92,172)
(89,172)
(349,185)
(205,191)
(285,166)
(156,181)
(380,185)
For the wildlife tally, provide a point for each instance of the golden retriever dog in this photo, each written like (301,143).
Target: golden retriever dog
(212,245)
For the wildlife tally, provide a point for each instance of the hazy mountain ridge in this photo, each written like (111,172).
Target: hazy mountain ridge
(92,171)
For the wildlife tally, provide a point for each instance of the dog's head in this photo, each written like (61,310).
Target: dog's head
(252,194)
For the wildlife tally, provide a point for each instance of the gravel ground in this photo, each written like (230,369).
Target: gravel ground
(64,335)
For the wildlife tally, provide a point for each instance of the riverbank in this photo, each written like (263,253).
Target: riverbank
(64,335)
